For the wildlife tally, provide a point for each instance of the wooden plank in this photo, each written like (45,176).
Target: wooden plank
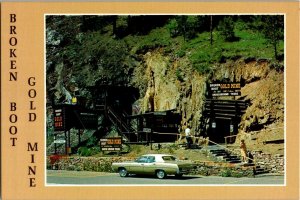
(225,103)
(226,118)
(223,114)
(215,100)
(225,106)
(224,110)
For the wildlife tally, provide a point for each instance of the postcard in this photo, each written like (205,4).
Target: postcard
(149,100)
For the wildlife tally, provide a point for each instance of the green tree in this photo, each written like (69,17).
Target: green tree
(182,25)
(226,28)
(187,26)
(211,29)
(173,28)
(273,29)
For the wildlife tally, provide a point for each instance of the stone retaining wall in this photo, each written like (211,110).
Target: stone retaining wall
(97,164)
(103,164)
(223,169)
(272,164)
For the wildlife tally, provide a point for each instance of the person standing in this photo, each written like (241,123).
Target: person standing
(243,151)
(188,137)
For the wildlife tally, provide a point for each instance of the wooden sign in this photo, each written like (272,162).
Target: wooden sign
(111,144)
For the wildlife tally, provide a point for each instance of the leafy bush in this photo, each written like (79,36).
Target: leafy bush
(85,151)
(92,141)
(180,53)
(202,68)
(179,75)
(226,172)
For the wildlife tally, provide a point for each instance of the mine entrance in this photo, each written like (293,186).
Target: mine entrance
(222,118)
(221,130)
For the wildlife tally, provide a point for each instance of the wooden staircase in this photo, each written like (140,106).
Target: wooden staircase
(224,155)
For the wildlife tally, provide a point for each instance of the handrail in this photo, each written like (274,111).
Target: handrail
(252,132)
(230,136)
(231,150)
(117,118)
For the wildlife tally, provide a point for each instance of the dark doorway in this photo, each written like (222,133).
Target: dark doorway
(222,129)
(221,118)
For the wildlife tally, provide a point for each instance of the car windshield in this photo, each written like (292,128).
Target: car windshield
(169,158)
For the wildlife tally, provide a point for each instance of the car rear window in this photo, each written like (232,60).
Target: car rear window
(168,158)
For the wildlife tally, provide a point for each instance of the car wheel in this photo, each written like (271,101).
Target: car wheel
(160,174)
(123,172)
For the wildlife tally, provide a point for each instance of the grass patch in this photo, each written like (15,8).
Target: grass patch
(250,44)
(158,37)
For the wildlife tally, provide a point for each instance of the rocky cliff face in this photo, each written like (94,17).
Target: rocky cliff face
(173,84)
(264,87)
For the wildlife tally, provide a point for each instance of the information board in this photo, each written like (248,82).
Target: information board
(111,144)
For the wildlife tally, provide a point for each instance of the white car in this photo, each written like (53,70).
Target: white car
(160,165)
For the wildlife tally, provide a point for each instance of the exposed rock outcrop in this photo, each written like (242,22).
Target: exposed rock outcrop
(175,85)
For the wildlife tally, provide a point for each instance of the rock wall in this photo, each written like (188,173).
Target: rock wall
(174,84)
(263,86)
(103,164)
(270,163)
(97,164)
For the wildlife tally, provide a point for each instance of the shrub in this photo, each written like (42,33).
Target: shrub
(226,172)
(180,53)
(179,75)
(202,68)
(85,151)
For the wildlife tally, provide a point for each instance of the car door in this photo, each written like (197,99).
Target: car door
(138,166)
(150,165)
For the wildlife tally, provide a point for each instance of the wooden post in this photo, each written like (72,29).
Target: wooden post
(231,131)
(69,142)
(79,136)
(151,138)
(66,144)
(55,147)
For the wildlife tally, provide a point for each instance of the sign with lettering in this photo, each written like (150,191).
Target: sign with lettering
(59,120)
(68,116)
(111,144)
(60,141)
(225,89)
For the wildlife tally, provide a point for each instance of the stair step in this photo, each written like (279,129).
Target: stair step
(234,161)
(261,172)
(259,169)
(249,165)
(221,154)
(217,150)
